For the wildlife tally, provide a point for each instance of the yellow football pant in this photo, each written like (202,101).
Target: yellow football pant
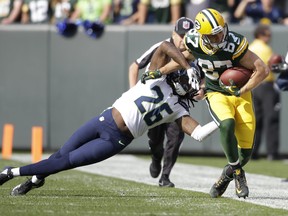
(240,109)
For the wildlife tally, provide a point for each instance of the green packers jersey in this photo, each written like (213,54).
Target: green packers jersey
(213,64)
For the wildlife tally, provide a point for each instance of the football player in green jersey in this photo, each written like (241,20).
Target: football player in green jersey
(216,49)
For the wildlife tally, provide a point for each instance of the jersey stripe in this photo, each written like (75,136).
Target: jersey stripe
(242,47)
(213,115)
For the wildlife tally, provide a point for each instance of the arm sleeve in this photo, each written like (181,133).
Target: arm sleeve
(201,132)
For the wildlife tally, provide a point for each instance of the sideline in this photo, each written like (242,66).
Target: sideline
(188,177)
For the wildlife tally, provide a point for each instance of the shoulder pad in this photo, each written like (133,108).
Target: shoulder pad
(191,39)
(240,42)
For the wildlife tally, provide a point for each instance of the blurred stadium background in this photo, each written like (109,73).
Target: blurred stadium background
(59,83)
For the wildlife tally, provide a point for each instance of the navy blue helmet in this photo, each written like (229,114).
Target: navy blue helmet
(181,80)
(93,29)
(67,29)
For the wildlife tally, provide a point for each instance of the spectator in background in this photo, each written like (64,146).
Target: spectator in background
(266,98)
(175,10)
(223,7)
(226,7)
(10,11)
(92,10)
(156,11)
(194,6)
(253,11)
(233,4)
(122,9)
(62,9)
(35,12)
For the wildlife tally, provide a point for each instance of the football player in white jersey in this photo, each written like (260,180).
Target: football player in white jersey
(140,108)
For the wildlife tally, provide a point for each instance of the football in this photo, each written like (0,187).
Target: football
(239,75)
(274,59)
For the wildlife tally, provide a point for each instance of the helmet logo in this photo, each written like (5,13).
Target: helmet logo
(186,25)
(197,25)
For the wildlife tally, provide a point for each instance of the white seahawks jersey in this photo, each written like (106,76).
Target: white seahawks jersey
(147,105)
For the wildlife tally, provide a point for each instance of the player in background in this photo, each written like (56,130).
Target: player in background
(267,109)
(173,133)
(216,49)
(281,83)
(137,110)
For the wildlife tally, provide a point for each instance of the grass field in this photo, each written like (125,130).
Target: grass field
(78,193)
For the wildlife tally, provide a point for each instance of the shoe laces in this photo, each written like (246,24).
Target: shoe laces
(222,181)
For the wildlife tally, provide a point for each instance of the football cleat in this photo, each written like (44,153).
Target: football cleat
(155,168)
(220,186)
(165,182)
(6,177)
(25,187)
(241,187)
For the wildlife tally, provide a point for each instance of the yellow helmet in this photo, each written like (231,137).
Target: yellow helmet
(210,22)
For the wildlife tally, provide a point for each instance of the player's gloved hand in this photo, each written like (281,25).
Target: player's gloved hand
(150,75)
(194,78)
(280,68)
(231,89)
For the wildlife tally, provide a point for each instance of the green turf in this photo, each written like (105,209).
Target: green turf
(78,193)
(277,168)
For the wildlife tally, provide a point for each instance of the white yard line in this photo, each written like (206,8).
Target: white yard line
(264,190)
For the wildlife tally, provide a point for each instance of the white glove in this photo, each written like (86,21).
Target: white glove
(194,77)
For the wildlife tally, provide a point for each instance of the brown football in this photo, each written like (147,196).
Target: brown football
(239,75)
(274,59)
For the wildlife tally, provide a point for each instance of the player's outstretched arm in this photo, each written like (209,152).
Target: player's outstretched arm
(161,57)
(191,127)
(173,65)
(133,74)
(164,53)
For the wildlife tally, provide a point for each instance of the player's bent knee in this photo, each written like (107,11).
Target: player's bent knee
(227,125)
